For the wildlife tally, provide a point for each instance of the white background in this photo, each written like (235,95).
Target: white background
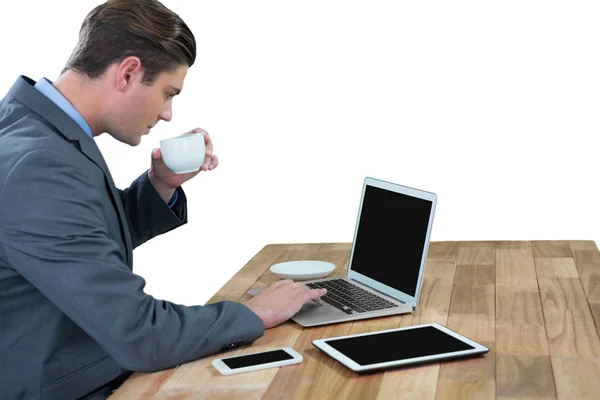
(494,107)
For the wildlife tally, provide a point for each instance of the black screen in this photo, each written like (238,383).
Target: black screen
(255,359)
(398,345)
(391,236)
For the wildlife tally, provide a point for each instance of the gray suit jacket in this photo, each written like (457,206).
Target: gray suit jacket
(73,315)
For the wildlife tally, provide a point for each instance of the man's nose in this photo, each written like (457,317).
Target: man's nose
(167,113)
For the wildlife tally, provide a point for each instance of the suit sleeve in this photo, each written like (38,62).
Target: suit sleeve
(147,214)
(54,235)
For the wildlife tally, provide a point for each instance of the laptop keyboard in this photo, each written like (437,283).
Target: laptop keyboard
(350,298)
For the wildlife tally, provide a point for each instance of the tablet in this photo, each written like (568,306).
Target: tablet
(399,347)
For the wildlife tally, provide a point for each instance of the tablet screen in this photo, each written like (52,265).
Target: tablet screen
(398,345)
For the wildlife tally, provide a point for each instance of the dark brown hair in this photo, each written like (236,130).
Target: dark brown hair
(118,29)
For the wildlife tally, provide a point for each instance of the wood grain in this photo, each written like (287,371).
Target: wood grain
(588,266)
(443,251)
(523,367)
(419,382)
(472,299)
(562,294)
(529,339)
(535,304)
(142,386)
(201,380)
(472,314)
(476,253)
(302,383)
(348,384)
(480,328)
(595,310)
(582,245)
(520,326)
(513,251)
(472,378)
(572,333)
(475,275)
(434,302)
(525,377)
(576,378)
(557,248)
(519,308)
(515,270)
(556,268)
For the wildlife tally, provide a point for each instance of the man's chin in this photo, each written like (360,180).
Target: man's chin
(131,139)
(135,140)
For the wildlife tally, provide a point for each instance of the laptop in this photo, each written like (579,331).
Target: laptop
(389,250)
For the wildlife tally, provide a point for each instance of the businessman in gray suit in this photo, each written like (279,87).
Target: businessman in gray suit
(74,319)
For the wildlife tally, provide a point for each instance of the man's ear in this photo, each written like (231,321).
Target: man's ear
(128,70)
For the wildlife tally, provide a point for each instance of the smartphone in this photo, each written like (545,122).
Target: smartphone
(256,361)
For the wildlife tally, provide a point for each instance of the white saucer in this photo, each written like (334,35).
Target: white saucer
(302,270)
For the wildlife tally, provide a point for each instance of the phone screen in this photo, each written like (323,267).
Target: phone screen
(256,359)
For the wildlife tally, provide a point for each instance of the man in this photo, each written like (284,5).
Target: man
(74,320)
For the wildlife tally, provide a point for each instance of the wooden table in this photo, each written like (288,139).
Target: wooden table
(536,305)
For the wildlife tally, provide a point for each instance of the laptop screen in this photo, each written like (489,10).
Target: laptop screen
(390,238)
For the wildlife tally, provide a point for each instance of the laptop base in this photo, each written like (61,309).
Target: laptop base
(315,314)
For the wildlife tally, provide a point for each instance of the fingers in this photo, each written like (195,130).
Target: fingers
(208,161)
(205,165)
(283,282)
(156,157)
(315,294)
(281,300)
(197,130)
(209,145)
(211,161)
(207,140)
(296,290)
(304,293)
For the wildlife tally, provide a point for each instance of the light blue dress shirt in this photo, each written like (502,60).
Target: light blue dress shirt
(45,87)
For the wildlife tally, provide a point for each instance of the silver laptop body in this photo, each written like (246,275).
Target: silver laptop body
(388,256)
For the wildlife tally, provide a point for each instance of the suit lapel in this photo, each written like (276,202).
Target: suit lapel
(24,91)
(90,149)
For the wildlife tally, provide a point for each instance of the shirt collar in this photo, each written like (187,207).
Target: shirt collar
(45,87)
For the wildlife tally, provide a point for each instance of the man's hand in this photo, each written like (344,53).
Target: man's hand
(280,301)
(166,181)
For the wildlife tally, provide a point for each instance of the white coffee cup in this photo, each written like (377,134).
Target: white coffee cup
(184,153)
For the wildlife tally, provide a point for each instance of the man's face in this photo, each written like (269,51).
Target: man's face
(142,106)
